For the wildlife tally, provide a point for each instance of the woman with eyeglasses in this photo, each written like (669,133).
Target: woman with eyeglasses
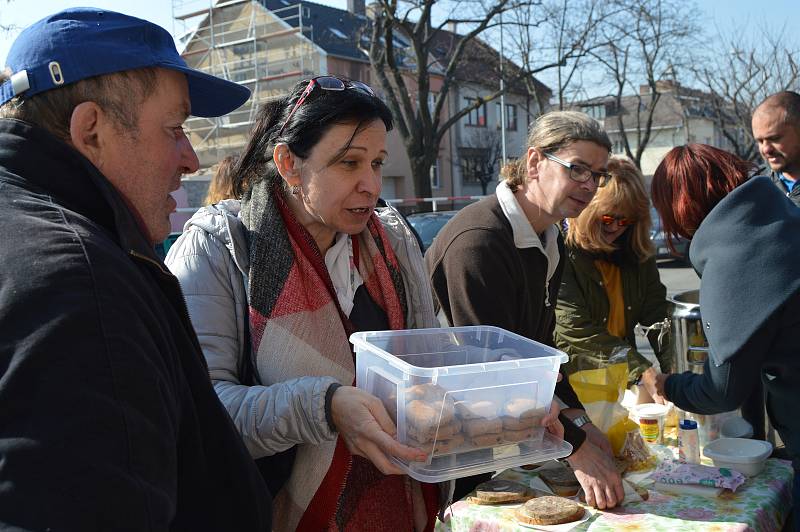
(276,283)
(611,281)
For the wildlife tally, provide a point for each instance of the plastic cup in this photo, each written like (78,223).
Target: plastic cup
(650,417)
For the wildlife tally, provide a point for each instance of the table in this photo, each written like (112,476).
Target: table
(761,504)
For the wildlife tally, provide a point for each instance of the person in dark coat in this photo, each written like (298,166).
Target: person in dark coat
(109,419)
(745,240)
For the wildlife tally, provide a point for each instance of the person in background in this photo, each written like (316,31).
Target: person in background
(745,240)
(221,186)
(611,280)
(776,129)
(109,420)
(277,283)
(499,262)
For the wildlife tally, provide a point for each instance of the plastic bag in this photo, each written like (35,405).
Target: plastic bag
(600,384)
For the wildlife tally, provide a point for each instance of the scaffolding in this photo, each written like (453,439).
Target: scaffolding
(267,51)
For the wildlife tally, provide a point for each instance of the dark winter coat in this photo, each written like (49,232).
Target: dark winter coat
(108,419)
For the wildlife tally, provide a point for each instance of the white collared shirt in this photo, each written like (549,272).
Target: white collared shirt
(525,236)
(343,271)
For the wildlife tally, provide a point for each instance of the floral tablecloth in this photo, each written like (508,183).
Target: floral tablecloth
(761,504)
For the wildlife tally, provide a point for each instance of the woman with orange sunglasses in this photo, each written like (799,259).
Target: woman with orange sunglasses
(610,280)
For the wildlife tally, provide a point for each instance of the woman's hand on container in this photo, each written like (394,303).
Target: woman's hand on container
(597,475)
(368,431)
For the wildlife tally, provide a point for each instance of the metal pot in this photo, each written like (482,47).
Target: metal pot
(689,340)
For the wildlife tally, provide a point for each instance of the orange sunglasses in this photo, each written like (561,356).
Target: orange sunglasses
(608,219)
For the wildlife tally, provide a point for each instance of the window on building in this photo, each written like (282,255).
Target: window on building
(511,116)
(618,146)
(435,175)
(598,112)
(476,117)
(474,166)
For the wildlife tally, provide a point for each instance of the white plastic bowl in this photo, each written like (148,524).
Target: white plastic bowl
(741,454)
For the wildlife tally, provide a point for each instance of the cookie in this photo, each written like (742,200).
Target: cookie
(521,407)
(511,423)
(549,510)
(441,446)
(561,480)
(429,432)
(476,427)
(486,440)
(423,414)
(514,436)
(476,409)
(425,392)
(497,491)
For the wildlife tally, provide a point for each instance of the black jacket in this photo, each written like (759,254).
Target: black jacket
(108,418)
(794,195)
(746,252)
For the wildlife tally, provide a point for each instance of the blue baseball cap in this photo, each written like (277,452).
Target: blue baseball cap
(82,42)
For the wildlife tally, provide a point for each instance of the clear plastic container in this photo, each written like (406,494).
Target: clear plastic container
(471,397)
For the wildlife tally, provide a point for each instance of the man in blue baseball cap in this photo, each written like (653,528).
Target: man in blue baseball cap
(109,420)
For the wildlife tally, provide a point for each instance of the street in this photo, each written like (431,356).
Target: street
(677,276)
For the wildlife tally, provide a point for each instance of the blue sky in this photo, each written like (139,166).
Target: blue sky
(746,15)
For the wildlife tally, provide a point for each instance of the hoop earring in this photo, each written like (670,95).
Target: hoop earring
(296,189)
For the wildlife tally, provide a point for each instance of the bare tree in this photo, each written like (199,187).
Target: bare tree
(557,35)
(479,156)
(408,51)
(645,43)
(740,73)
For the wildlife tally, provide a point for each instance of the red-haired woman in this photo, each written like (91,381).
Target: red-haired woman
(745,244)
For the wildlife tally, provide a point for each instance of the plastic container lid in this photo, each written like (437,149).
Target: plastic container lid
(650,410)
(688,424)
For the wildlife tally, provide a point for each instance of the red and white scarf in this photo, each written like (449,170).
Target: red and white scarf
(297,329)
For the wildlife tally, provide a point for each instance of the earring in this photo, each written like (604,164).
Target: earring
(295,190)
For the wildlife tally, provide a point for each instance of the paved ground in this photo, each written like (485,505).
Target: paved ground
(677,276)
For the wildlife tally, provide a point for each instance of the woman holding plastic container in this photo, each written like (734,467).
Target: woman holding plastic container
(277,283)
(745,244)
(610,281)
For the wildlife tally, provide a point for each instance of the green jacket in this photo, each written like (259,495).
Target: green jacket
(583,308)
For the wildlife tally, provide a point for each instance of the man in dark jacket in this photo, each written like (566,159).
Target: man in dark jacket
(109,420)
(776,128)
(499,262)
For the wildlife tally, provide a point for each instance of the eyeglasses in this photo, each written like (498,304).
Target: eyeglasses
(608,219)
(580,173)
(328,83)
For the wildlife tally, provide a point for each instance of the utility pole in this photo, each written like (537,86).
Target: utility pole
(502,94)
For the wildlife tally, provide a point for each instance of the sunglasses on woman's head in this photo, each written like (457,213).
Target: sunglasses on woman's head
(608,219)
(328,83)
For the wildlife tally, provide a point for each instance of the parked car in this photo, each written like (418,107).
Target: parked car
(428,224)
(659,239)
